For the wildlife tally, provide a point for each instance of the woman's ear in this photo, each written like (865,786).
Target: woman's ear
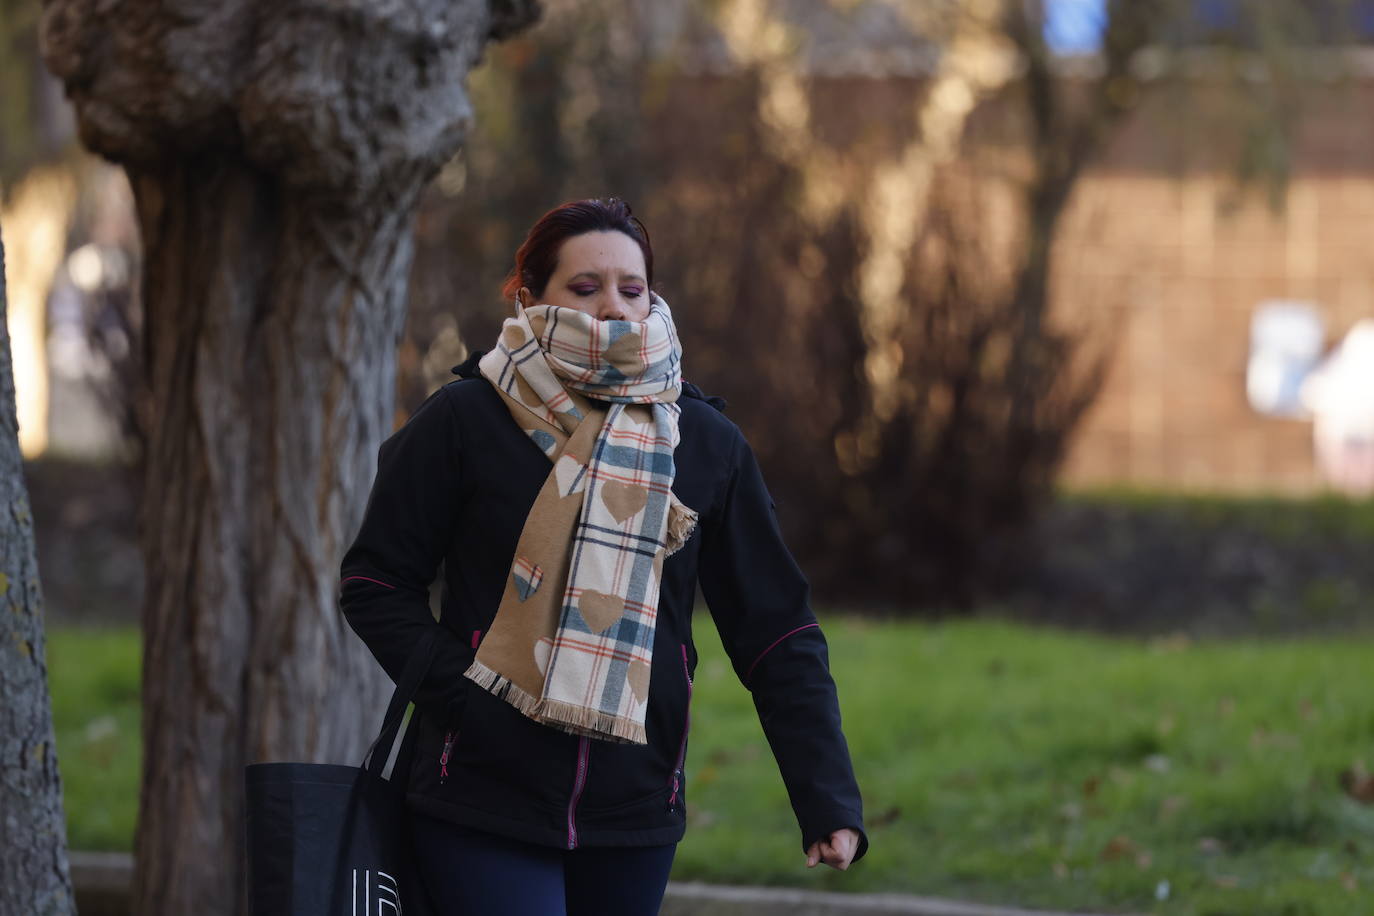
(523,297)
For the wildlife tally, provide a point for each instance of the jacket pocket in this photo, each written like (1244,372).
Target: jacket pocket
(677,782)
(454,725)
(446,750)
(437,728)
(496,743)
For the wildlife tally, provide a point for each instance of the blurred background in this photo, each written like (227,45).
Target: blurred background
(952,269)
(1057,313)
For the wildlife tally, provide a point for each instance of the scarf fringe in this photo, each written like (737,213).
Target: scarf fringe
(581,720)
(567,717)
(502,687)
(682,521)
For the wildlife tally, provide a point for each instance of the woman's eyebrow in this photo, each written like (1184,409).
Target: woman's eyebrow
(596,276)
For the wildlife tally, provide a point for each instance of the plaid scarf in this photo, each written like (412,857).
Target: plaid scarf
(573,639)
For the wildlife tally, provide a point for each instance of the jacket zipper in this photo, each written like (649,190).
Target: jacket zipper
(686,726)
(443,758)
(450,736)
(579,782)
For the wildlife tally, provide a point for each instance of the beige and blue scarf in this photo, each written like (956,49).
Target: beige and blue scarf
(572,642)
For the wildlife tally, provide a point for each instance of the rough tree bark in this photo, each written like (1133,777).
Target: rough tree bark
(33,832)
(276,149)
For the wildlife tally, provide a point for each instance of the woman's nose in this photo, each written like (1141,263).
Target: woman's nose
(613,310)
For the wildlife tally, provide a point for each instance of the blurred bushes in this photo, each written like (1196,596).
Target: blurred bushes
(1133,561)
(85,532)
(936,493)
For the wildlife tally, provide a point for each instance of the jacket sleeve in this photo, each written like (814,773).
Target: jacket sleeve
(406,529)
(759,600)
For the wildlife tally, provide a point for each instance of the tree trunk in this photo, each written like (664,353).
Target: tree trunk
(275,174)
(33,832)
(270,396)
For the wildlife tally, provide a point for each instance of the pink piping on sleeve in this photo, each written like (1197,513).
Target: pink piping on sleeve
(366,579)
(476,638)
(748,674)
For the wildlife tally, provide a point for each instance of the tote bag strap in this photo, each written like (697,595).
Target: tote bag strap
(417,666)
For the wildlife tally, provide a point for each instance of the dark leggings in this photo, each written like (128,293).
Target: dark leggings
(472,873)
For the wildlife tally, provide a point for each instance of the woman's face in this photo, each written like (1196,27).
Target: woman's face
(600,273)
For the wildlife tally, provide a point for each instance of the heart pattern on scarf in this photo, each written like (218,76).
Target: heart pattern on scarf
(623,499)
(527,393)
(599,609)
(624,354)
(537,324)
(527,576)
(570,474)
(543,650)
(638,678)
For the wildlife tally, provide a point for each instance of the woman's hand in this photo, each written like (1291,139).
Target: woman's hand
(837,851)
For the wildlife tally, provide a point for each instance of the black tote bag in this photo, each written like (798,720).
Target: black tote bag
(333,840)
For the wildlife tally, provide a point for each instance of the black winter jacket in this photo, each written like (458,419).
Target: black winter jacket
(453,486)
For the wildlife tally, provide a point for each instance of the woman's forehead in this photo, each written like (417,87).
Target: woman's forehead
(608,253)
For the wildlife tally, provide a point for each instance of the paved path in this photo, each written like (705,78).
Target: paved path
(692,899)
(103,881)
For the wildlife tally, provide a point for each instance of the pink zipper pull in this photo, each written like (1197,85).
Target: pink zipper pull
(443,758)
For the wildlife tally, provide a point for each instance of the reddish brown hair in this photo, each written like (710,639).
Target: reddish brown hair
(538,254)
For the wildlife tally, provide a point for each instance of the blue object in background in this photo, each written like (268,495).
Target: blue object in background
(1075,26)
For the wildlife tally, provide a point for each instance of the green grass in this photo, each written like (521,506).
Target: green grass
(1019,765)
(998,762)
(94,678)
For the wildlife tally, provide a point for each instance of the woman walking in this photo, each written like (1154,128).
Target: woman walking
(576,491)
